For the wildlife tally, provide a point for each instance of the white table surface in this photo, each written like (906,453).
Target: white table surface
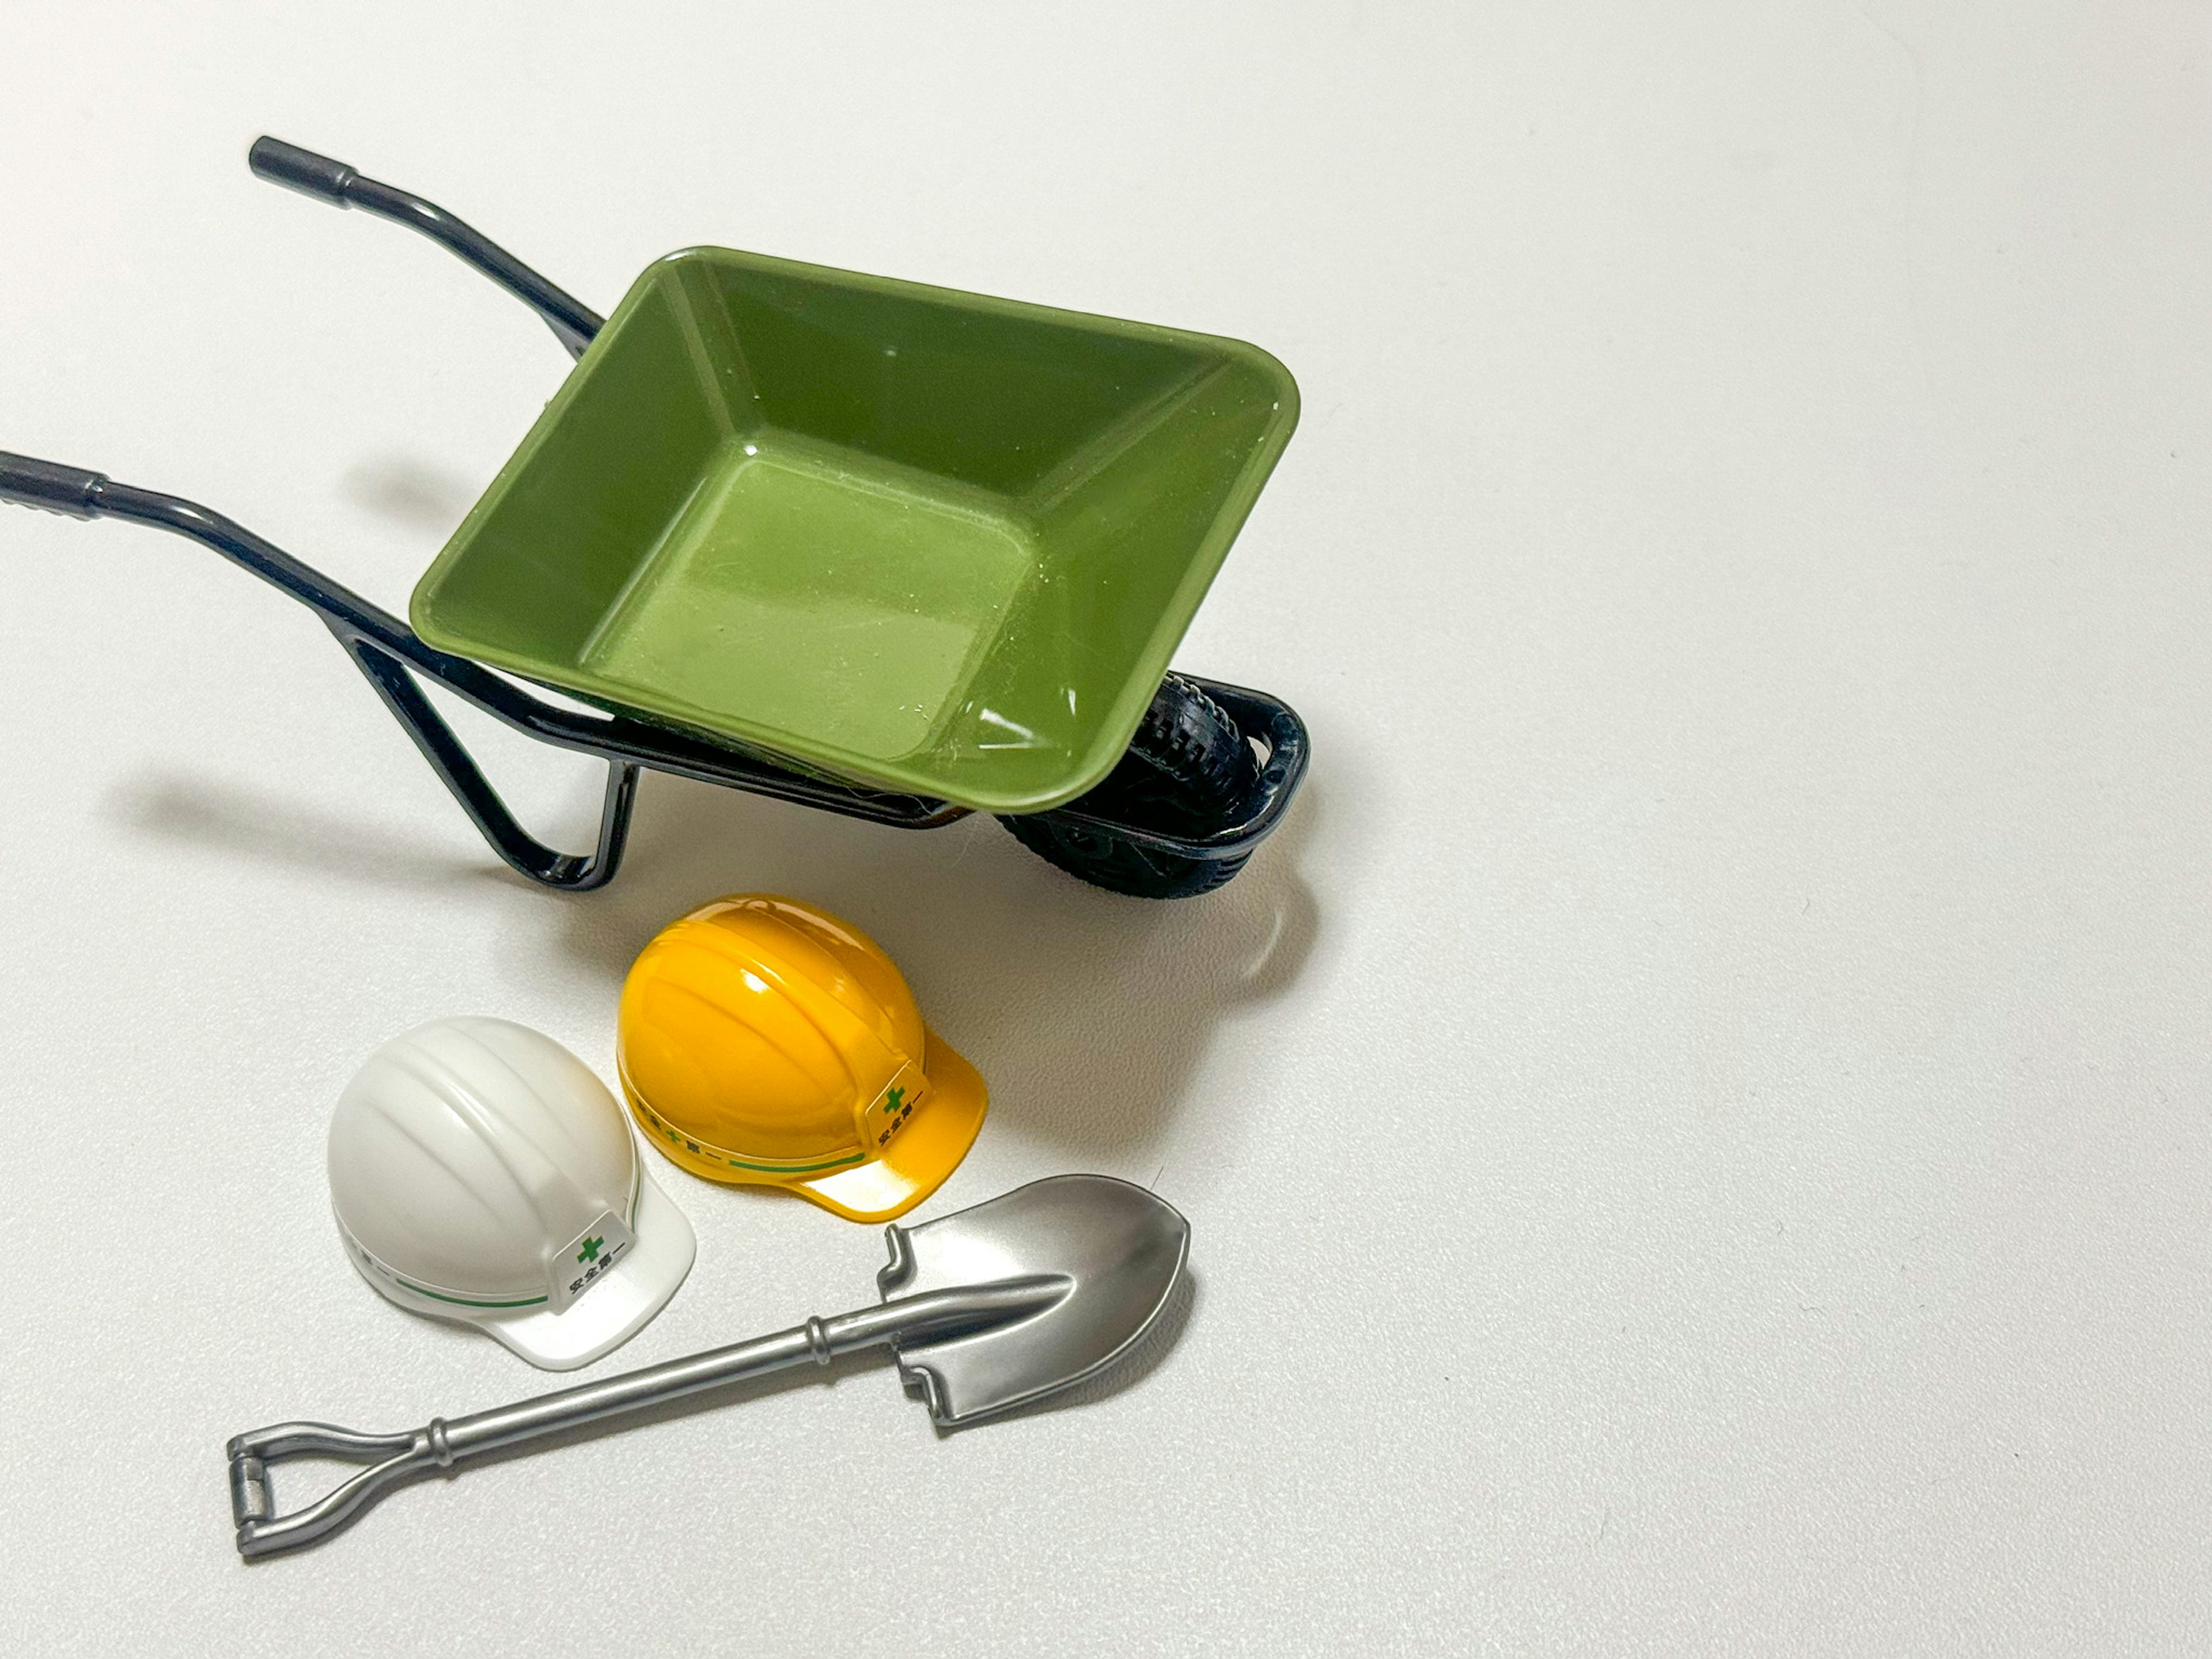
(1698,1134)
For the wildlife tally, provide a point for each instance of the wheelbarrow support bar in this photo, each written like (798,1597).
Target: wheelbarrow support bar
(573,323)
(382,647)
(391,656)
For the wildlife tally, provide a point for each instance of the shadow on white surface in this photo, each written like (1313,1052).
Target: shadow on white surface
(1086,1012)
(206,812)
(415,493)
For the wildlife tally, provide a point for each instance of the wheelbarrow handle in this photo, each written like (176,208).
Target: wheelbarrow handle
(300,169)
(573,323)
(48,486)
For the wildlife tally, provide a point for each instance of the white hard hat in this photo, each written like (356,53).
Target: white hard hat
(482,1173)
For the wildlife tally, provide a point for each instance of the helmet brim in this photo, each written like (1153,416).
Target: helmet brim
(922,1155)
(619,1306)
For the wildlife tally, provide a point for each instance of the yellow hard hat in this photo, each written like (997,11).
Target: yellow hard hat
(765,1042)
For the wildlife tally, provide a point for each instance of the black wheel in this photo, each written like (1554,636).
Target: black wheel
(1188,771)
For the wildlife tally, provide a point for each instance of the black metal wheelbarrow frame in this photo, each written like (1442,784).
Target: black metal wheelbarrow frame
(390,654)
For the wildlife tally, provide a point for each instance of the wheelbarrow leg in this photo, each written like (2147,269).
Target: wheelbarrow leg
(569,871)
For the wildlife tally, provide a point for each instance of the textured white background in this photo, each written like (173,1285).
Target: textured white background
(1698,1134)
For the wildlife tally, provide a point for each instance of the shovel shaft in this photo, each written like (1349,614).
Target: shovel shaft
(818,1340)
(440,1444)
(551,1413)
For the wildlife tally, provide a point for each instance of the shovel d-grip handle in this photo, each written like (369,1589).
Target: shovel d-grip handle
(392,1459)
(573,323)
(395,1459)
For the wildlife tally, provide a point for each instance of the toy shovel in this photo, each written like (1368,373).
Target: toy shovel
(984,1310)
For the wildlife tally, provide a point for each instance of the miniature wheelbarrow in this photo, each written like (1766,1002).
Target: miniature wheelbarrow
(890,551)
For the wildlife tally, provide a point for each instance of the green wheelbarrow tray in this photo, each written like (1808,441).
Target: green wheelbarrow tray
(910,538)
(889,550)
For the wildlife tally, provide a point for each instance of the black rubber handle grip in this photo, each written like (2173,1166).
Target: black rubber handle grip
(64,490)
(302,170)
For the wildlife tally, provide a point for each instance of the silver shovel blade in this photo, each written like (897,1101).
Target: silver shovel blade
(1119,1249)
